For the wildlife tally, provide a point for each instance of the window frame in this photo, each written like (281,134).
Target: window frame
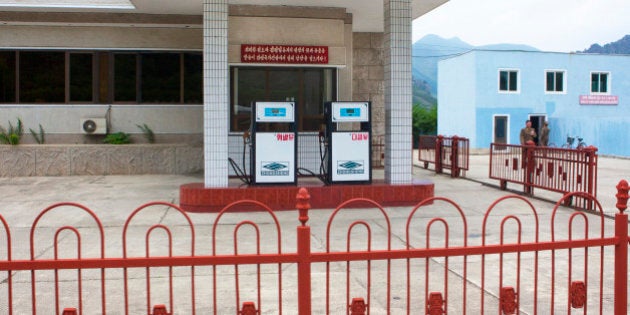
(608,82)
(300,98)
(103,77)
(564,81)
(518,81)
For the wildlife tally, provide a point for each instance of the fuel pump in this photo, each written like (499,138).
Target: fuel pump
(274,151)
(348,133)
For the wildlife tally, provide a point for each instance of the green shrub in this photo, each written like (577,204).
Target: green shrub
(39,137)
(117,138)
(147,132)
(13,134)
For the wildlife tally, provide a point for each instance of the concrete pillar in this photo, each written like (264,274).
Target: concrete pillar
(215,92)
(398,93)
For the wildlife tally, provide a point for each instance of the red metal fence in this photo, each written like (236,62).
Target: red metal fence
(553,169)
(439,263)
(451,153)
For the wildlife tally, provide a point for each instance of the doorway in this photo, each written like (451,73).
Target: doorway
(537,123)
(500,130)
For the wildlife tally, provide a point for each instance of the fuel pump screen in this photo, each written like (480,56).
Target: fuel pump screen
(275,112)
(350,112)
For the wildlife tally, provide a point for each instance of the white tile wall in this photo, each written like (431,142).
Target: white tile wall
(398,93)
(216,89)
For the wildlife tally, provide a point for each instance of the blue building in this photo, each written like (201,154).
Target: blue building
(487,96)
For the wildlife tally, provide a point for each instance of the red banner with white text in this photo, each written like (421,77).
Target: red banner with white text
(252,53)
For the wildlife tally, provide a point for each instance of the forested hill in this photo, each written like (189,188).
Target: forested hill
(621,46)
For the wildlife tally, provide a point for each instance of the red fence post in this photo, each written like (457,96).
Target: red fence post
(455,157)
(530,166)
(159,309)
(69,311)
(621,250)
(357,307)
(591,184)
(439,143)
(304,253)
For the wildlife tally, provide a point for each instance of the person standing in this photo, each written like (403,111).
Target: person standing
(544,134)
(528,133)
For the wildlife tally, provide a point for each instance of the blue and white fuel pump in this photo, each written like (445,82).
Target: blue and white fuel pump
(348,134)
(274,151)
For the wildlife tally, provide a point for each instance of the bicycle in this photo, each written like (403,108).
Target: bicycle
(570,140)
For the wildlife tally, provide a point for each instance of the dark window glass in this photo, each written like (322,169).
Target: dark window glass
(599,82)
(555,81)
(503,81)
(193,79)
(42,77)
(125,77)
(312,109)
(559,81)
(251,86)
(550,81)
(513,81)
(603,82)
(594,82)
(81,77)
(7,76)
(161,78)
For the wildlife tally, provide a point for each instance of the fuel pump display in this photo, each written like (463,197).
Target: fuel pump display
(348,133)
(273,155)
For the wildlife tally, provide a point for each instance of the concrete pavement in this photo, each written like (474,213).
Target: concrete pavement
(114,198)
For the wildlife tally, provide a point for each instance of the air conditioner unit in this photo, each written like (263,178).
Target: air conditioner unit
(94,126)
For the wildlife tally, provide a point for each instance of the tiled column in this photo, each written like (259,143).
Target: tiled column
(215,92)
(398,95)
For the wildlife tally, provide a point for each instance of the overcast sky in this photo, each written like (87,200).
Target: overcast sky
(549,25)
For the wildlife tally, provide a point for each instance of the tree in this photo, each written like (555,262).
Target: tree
(424,120)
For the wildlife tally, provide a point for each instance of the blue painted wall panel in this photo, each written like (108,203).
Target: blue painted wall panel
(473,98)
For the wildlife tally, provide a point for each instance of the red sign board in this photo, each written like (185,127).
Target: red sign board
(599,99)
(284,54)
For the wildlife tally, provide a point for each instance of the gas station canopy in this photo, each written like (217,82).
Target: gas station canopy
(367,14)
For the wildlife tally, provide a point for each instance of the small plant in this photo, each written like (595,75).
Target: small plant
(13,134)
(39,137)
(117,138)
(148,133)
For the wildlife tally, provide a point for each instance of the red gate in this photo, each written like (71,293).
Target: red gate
(451,153)
(428,260)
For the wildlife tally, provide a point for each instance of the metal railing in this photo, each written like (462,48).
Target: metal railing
(553,169)
(451,153)
(441,264)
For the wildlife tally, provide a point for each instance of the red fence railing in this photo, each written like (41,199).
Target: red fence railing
(554,169)
(433,261)
(451,153)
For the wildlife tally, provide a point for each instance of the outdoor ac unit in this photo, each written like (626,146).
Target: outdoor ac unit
(94,126)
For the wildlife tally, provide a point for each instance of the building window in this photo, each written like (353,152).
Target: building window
(600,82)
(508,81)
(81,78)
(554,81)
(161,78)
(101,77)
(42,77)
(308,87)
(7,76)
